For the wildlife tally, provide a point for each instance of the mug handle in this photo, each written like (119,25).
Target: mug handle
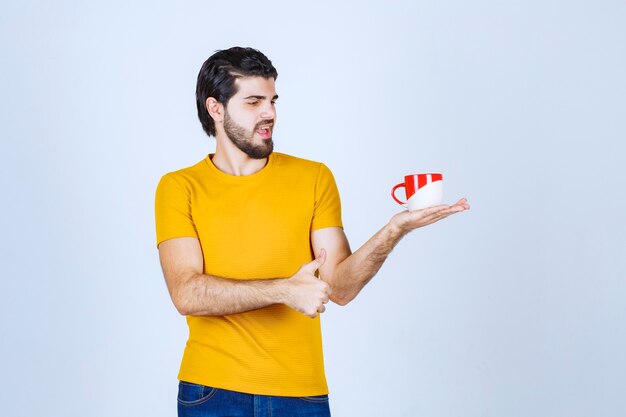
(393,190)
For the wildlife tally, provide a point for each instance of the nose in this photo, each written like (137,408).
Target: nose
(268,111)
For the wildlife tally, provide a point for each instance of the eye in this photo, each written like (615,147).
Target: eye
(254,102)
(273,102)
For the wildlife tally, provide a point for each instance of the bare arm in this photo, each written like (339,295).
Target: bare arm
(346,272)
(197,294)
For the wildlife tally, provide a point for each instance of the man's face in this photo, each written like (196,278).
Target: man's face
(250,115)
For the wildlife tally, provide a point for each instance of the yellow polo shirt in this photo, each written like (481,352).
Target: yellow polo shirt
(252,227)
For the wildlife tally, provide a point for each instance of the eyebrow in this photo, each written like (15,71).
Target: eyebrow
(260,97)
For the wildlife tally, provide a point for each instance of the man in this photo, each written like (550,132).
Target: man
(241,235)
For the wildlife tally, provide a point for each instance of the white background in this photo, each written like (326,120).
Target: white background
(514,308)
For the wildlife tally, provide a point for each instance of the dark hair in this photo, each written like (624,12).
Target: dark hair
(218,74)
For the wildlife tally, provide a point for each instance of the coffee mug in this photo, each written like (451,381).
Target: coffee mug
(422,191)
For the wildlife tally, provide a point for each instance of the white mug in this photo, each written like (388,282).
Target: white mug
(422,191)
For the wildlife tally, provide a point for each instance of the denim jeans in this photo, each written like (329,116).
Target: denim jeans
(201,401)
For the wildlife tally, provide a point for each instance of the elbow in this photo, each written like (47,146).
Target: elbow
(341,299)
(340,302)
(181,304)
(181,307)
(341,295)
(181,296)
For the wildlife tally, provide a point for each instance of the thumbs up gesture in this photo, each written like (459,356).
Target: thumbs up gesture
(305,292)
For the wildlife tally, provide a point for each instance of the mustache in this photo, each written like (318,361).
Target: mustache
(263,124)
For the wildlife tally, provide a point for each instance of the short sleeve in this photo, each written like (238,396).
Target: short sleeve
(327,211)
(172,209)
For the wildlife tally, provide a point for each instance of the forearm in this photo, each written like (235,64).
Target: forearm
(205,295)
(354,272)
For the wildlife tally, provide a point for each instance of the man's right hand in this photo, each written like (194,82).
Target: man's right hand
(305,292)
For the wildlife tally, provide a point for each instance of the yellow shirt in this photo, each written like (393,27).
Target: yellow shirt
(252,227)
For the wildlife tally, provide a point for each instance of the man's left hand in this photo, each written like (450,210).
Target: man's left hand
(406,221)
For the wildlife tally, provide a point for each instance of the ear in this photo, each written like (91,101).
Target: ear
(215,109)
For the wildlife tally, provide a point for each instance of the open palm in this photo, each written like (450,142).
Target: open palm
(409,220)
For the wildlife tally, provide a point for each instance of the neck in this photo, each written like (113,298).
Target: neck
(231,160)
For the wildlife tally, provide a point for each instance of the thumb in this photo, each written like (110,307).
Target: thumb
(313,266)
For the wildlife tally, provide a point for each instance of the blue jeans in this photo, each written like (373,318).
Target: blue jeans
(201,401)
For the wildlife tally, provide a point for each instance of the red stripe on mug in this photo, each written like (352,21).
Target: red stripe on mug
(414,182)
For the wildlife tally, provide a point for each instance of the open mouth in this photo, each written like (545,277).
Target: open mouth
(265,132)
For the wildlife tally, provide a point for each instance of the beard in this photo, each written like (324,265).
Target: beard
(244,139)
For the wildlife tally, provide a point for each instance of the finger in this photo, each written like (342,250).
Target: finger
(452,210)
(456,207)
(322,257)
(427,213)
(435,209)
(316,263)
(462,203)
(435,217)
(434,212)
(321,308)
